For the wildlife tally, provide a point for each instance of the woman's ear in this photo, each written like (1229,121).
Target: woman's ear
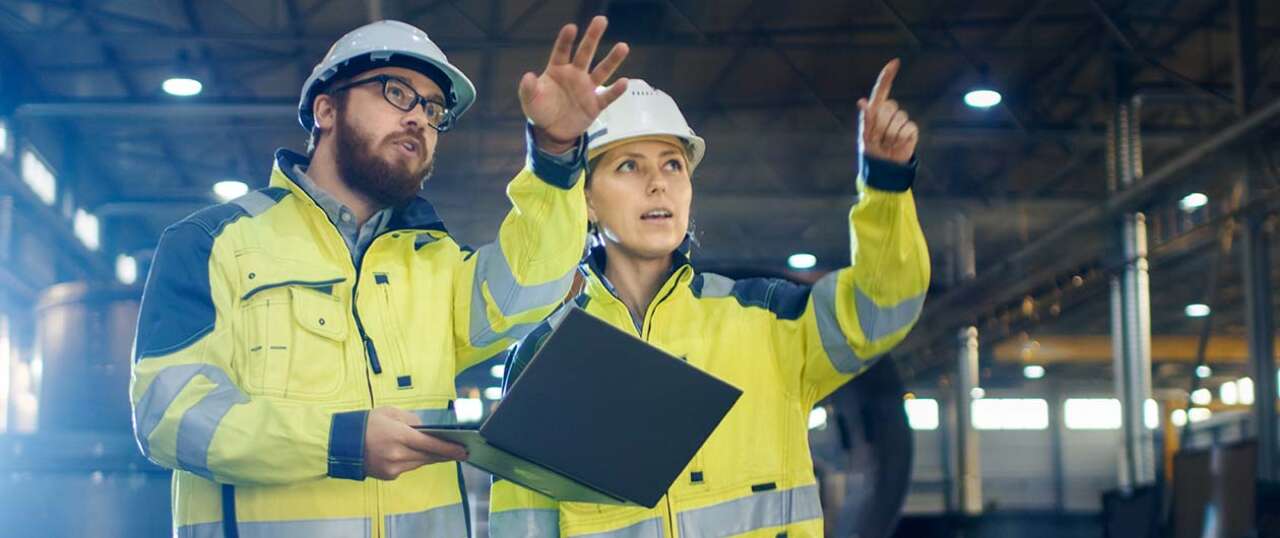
(591,210)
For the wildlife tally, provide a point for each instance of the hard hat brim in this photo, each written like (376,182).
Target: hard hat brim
(459,89)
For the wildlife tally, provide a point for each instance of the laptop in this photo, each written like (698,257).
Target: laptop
(597,416)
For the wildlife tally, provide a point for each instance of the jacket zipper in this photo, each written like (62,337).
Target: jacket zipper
(647,332)
(370,351)
(401,366)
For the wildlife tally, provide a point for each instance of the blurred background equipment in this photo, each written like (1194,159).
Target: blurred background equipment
(84,339)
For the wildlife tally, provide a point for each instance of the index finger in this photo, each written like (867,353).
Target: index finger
(884,82)
(428,444)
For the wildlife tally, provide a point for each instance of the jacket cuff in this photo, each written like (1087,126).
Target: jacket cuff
(558,170)
(346,445)
(887,175)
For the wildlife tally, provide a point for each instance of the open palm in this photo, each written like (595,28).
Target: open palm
(562,102)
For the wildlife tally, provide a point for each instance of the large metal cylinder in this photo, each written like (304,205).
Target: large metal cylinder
(84,338)
(864,456)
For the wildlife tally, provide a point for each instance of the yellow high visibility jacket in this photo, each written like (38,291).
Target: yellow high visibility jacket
(786,346)
(261,347)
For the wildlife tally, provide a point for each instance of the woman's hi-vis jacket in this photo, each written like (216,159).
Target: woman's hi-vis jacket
(261,348)
(786,346)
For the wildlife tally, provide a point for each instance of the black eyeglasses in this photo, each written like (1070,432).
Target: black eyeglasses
(401,95)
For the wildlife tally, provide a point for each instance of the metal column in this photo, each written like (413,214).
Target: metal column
(1057,427)
(1255,254)
(1260,322)
(1130,293)
(967,461)
(961,261)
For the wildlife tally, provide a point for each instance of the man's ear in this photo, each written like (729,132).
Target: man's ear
(324,111)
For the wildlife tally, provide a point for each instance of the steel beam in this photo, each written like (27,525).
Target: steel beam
(1255,253)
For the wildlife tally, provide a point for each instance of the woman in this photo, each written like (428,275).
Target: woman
(786,346)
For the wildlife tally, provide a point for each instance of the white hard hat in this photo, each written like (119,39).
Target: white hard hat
(380,44)
(644,111)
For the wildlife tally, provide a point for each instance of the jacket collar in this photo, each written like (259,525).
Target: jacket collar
(597,260)
(418,214)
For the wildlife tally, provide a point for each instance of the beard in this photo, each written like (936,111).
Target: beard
(388,183)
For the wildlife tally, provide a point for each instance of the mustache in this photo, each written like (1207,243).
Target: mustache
(418,137)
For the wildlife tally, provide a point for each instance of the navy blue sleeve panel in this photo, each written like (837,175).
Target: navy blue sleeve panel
(786,299)
(177,308)
(558,170)
(517,360)
(346,445)
(888,175)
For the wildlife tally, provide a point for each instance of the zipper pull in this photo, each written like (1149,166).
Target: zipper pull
(372,353)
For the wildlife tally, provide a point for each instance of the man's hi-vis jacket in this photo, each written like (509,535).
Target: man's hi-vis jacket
(261,348)
(786,346)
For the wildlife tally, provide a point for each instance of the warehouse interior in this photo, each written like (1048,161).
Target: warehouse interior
(1098,185)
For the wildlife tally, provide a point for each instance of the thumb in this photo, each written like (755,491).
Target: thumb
(400,415)
(528,87)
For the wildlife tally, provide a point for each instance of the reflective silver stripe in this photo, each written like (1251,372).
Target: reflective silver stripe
(443,522)
(874,320)
(166,386)
(255,203)
(200,530)
(309,528)
(880,321)
(531,523)
(761,510)
(833,339)
(436,417)
(198,424)
(714,285)
(649,528)
(510,297)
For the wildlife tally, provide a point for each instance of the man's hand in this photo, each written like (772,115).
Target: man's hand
(562,101)
(884,131)
(392,447)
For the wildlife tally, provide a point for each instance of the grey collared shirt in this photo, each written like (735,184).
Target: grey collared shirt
(358,238)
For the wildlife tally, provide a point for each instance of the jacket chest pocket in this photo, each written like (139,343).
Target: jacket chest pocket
(295,338)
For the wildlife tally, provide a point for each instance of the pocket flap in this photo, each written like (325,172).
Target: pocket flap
(319,313)
(261,272)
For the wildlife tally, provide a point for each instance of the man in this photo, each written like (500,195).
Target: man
(289,340)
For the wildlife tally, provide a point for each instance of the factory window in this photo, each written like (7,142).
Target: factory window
(37,176)
(86,228)
(468,409)
(1091,413)
(1104,414)
(1151,414)
(1010,414)
(818,418)
(4,140)
(922,413)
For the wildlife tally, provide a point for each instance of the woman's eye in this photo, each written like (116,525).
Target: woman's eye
(627,166)
(674,165)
